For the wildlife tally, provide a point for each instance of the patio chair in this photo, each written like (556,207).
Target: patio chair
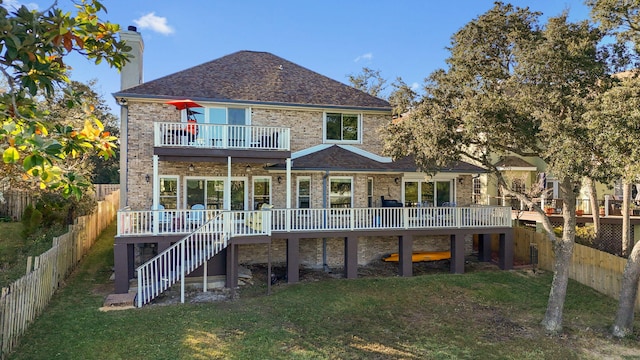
(196,216)
(164,219)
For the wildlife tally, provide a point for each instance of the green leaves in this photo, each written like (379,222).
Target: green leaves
(10,155)
(32,47)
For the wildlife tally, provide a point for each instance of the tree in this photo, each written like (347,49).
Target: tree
(616,116)
(513,87)
(34,46)
(88,165)
(402,98)
(621,18)
(369,81)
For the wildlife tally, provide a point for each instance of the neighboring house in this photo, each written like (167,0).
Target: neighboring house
(286,166)
(528,175)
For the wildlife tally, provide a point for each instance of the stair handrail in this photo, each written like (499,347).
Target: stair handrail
(210,238)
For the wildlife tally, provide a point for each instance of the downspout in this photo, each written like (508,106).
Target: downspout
(124,136)
(324,206)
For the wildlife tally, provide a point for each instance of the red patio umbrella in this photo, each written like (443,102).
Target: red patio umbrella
(183,104)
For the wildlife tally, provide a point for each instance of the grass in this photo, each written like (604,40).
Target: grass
(486,314)
(14,249)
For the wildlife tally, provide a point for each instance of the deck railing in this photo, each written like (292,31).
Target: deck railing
(193,251)
(167,222)
(389,218)
(211,136)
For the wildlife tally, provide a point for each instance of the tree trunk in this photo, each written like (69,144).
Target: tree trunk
(593,202)
(563,249)
(623,325)
(553,317)
(627,241)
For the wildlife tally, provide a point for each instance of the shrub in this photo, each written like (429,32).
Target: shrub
(31,221)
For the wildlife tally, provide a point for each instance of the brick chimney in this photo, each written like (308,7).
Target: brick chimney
(131,74)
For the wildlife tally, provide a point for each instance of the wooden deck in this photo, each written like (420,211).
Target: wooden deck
(297,225)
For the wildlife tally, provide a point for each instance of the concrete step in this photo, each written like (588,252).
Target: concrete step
(119,302)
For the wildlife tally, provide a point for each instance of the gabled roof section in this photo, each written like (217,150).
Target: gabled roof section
(514,163)
(256,77)
(349,158)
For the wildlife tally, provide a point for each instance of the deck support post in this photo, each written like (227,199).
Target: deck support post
(293,260)
(484,247)
(232,266)
(269,269)
(351,257)
(457,253)
(405,252)
(123,266)
(505,261)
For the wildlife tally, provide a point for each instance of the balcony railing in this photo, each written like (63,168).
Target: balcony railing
(168,222)
(238,137)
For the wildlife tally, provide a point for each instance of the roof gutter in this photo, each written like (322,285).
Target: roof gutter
(162,98)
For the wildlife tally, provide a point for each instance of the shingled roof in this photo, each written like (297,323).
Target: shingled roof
(510,162)
(256,77)
(339,158)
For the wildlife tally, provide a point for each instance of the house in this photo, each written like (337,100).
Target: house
(526,173)
(285,165)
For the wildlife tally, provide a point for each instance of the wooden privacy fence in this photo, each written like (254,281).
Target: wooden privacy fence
(597,269)
(15,201)
(26,298)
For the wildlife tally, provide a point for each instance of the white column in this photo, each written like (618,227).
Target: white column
(288,192)
(289,183)
(227,186)
(156,184)
(155,194)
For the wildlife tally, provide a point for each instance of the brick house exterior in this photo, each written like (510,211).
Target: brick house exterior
(328,140)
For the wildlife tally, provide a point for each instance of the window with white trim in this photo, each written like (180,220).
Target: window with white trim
(477,190)
(342,128)
(340,192)
(261,191)
(169,192)
(304,192)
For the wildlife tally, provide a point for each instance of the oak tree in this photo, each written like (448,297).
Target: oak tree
(513,86)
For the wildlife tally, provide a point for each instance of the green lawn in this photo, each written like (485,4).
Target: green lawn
(487,314)
(12,252)
(14,249)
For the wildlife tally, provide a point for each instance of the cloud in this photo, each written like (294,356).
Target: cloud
(415,86)
(13,5)
(155,23)
(367,57)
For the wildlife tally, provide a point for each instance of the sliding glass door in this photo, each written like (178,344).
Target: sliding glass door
(209,192)
(427,193)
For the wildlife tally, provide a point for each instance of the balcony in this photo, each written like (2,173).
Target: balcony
(210,136)
(261,222)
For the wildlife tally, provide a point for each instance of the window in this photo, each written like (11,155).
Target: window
(342,127)
(477,190)
(169,192)
(234,135)
(261,191)
(304,192)
(518,185)
(340,192)
(427,193)
(210,192)
(370,192)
